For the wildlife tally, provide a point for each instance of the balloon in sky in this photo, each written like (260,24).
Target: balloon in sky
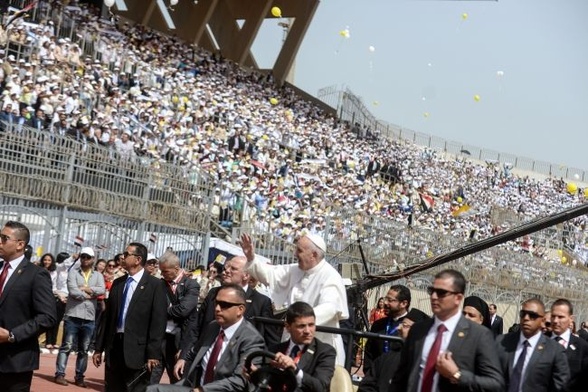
(372,49)
(345,33)
(426,114)
(477,98)
(464,16)
(109,3)
(500,73)
(277,12)
(273,101)
(576,176)
(572,187)
(375,103)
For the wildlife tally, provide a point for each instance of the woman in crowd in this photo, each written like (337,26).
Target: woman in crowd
(48,262)
(378,312)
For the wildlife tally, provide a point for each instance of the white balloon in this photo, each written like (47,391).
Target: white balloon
(576,176)
(173,2)
(499,73)
(109,3)
(372,49)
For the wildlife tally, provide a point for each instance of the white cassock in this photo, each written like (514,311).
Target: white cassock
(321,287)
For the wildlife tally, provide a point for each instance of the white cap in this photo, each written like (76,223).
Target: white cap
(151,256)
(318,241)
(87,251)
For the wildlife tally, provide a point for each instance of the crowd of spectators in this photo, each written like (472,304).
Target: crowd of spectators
(278,163)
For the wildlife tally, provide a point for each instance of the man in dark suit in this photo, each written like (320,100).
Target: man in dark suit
(312,361)
(531,361)
(397,301)
(218,357)
(583,331)
(562,315)
(450,352)
(496,322)
(236,142)
(133,325)
(380,375)
(27,308)
(256,304)
(182,295)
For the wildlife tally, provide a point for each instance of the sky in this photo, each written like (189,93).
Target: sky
(526,60)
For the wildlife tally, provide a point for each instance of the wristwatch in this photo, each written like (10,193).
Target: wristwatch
(457,375)
(11,338)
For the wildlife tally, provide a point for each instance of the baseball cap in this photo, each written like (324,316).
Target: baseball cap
(87,251)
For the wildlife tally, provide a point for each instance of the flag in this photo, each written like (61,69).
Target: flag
(460,210)
(153,238)
(427,202)
(78,240)
(101,247)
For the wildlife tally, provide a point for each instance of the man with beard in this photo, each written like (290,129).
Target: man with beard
(397,302)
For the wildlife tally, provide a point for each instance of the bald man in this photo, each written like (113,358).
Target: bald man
(311,280)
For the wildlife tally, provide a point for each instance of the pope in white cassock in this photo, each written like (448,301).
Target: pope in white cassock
(311,280)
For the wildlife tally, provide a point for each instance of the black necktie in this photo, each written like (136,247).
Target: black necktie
(294,351)
(517,372)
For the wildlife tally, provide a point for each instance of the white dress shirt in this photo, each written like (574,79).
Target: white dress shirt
(229,332)
(450,324)
(132,286)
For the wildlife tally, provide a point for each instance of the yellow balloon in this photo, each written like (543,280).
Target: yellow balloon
(277,12)
(572,188)
(477,98)
(344,33)
(586,193)
(375,103)
(426,114)
(459,199)
(273,101)
(175,99)
(464,16)
(564,260)
(559,252)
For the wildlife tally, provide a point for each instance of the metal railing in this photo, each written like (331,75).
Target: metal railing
(351,108)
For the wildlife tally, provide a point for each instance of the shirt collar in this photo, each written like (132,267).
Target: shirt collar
(230,331)
(565,336)
(533,340)
(450,323)
(14,263)
(137,277)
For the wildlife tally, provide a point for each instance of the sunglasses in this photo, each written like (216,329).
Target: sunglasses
(226,305)
(441,293)
(532,315)
(4,238)
(111,265)
(127,254)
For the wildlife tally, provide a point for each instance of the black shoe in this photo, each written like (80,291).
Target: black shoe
(61,380)
(81,384)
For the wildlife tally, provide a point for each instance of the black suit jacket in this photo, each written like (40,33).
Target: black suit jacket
(27,308)
(577,354)
(583,334)
(256,304)
(317,363)
(144,323)
(375,347)
(182,305)
(228,372)
(497,326)
(473,350)
(379,377)
(547,370)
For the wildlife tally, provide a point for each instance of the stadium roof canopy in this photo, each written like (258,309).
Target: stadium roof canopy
(227,26)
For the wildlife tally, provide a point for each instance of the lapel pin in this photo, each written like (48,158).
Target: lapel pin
(540,347)
(310,351)
(460,334)
(248,301)
(572,347)
(19,271)
(142,287)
